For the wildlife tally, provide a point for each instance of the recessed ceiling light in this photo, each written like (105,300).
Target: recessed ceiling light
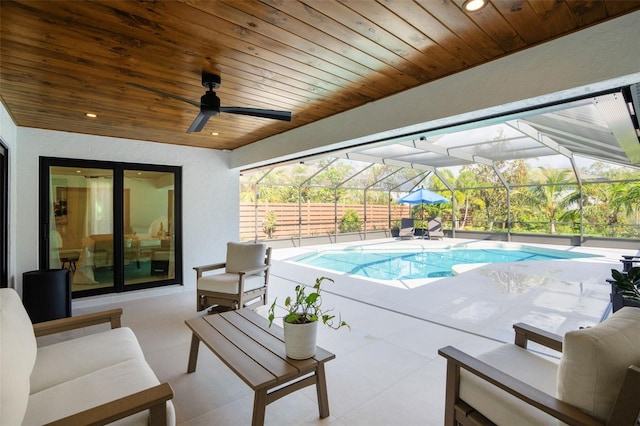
(91,115)
(474,5)
(214,133)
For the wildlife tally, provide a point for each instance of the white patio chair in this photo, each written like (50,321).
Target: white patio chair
(244,280)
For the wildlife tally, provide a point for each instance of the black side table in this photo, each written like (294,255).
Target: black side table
(46,294)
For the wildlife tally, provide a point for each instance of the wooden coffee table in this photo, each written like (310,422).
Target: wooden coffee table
(254,351)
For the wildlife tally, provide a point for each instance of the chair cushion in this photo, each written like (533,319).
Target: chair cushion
(595,361)
(92,389)
(245,256)
(228,283)
(18,351)
(406,231)
(499,406)
(64,361)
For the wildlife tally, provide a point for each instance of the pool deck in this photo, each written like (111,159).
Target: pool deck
(482,299)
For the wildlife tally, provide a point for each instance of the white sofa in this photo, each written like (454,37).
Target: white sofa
(95,379)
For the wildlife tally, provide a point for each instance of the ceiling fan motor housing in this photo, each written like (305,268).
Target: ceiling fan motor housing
(210,103)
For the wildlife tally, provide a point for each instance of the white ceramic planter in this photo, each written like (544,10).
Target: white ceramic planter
(300,339)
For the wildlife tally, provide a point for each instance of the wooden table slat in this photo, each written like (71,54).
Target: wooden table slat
(263,356)
(244,367)
(261,322)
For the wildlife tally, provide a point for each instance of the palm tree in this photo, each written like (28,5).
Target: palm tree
(626,199)
(553,195)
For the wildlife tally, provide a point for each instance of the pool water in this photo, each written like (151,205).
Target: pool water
(398,265)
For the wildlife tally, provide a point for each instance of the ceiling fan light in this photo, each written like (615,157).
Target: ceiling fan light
(474,5)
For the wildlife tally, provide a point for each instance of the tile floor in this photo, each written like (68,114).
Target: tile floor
(387,370)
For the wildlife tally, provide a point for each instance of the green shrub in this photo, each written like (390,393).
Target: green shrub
(350,221)
(269,223)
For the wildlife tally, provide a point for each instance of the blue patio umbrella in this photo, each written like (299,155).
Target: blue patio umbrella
(422,196)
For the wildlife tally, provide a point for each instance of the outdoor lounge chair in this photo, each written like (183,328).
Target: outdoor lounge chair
(434,228)
(406,222)
(407,228)
(244,281)
(629,262)
(596,381)
(406,233)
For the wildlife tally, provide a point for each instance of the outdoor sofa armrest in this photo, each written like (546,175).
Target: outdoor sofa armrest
(112,316)
(204,268)
(153,399)
(525,333)
(626,408)
(456,359)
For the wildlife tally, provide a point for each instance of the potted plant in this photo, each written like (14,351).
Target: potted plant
(300,323)
(625,288)
(395,229)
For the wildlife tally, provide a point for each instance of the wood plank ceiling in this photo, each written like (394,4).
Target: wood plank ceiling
(315,58)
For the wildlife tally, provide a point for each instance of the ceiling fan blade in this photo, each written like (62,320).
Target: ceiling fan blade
(199,122)
(262,113)
(168,95)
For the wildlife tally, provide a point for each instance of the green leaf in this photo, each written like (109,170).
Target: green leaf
(311,299)
(618,276)
(326,318)
(292,318)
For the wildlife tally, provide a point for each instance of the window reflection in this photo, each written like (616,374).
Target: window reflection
(148,223)
(82,238)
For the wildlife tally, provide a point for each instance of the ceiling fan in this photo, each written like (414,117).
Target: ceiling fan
(210,104)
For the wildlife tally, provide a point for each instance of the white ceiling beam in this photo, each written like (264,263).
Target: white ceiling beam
(387,161)
(571,136)
(534,134)
(431,147)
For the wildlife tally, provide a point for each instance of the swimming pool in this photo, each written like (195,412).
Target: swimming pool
(423,263)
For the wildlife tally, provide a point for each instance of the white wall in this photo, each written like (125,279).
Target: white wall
(594,59)
(209,189)
(8,132)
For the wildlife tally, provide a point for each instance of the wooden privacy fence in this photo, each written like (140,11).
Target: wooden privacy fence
(311,219)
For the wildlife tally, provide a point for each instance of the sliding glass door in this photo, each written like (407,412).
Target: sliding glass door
(115,226)
(149,235)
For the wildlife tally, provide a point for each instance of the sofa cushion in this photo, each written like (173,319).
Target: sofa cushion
(18,351)
(73,358)
(92,389)
(595,361)
(245,256)
(228,283)
(497,405)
